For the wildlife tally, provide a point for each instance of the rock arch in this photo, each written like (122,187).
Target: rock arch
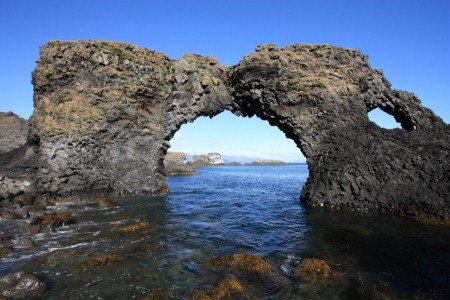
(105,111)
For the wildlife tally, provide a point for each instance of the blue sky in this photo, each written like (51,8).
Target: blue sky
(409,40)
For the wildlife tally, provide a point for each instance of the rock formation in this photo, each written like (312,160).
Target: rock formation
(104,113)
(175,164)
(13,131)
(210,159)
(215,158)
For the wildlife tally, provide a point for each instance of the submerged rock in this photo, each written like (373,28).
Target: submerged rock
(163,294)
(101,261)
(26,243)
(53,220)
(245,262)
(5,251)
(105,201)
(316,271)
(229,288)
(21,285)
(138,228)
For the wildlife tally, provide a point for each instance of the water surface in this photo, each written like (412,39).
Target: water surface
(229,209)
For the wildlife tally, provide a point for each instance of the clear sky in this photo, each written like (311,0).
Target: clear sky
(408,39)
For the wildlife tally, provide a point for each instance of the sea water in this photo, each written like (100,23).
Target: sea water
(225,210)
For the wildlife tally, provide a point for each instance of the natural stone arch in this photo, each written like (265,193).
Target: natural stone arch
(104,113)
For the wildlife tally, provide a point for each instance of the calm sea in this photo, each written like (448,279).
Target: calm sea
(229,209)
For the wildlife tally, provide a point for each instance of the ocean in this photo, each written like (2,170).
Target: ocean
(226,210)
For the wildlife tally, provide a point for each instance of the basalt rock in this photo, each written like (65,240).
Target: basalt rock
(104,113)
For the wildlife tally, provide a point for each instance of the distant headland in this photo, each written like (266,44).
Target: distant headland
(176,163)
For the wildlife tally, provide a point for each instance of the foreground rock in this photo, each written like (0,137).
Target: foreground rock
(21,285)
(13,131)
(175,164)
(104,113)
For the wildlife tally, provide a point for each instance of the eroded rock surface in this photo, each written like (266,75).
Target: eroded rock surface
(104,113)
(13,131)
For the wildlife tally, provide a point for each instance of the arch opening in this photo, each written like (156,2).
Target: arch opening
(383,119)
(238,139)
(231,205)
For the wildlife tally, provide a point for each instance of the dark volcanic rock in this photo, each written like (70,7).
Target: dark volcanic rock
(104,113)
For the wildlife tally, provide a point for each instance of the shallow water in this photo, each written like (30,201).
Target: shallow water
(224,210)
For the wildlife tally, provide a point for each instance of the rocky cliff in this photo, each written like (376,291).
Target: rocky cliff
(104,113)
(13,131)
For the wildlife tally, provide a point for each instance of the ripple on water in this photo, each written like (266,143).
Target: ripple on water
(226,210)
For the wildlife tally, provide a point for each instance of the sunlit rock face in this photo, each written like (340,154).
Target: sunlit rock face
(215,158)
(104,113)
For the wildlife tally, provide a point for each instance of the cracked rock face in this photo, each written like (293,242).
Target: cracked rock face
(105,111)
(13,131)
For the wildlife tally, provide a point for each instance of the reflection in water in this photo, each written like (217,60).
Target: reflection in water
(157,246)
